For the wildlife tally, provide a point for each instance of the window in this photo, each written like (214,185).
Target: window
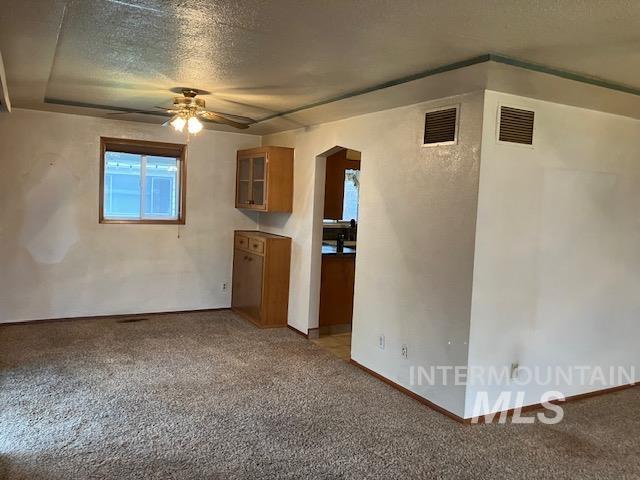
(351,194)
(142,182)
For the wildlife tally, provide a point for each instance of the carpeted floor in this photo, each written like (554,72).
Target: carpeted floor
(206,395)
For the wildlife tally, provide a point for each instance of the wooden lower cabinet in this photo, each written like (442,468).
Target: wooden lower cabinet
(260,288)
(336,289)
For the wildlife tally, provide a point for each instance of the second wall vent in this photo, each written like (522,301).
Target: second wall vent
(441,126)
(516,125)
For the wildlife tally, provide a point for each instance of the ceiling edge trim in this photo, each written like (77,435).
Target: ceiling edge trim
(489,57)
(599,82)
(391,83)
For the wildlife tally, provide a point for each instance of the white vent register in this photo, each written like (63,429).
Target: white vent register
(441,127)
(516,125)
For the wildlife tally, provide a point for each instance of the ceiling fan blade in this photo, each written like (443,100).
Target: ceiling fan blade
(166,124)
(128,112)
(168,110)
(215,117)
(246,105)
(237,118)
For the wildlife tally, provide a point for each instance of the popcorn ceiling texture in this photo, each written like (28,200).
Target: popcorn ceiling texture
(207,395)
(259,57)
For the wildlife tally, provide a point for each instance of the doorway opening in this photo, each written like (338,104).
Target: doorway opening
(337,250)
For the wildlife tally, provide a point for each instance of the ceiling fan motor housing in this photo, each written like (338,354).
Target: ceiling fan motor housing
(188,102)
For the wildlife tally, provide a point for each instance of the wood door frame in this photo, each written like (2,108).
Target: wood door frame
(315,275)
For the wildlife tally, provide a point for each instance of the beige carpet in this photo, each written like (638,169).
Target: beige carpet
(199,396)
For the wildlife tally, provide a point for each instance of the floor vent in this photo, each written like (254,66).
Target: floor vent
(132,320)
(441,126)
(516,126)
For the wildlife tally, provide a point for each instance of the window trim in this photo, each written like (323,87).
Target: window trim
(144,147)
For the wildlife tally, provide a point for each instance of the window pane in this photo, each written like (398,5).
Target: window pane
(258,193)
(122,185)
(243,192)
(351,194)
(245,169)
(258,168)
(161,188)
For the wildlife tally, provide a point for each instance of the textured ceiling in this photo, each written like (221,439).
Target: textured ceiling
(260,57)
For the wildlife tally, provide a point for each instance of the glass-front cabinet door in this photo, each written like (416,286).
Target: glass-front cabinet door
(258,181)
(264,179)
(244,182)
(252,179)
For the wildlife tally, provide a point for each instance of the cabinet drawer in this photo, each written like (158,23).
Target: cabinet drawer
(242,242)
(256,245)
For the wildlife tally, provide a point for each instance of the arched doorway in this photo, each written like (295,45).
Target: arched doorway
(335,247)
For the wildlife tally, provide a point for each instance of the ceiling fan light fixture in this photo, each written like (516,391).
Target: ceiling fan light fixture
(194,125)
(178,123)
(187,108)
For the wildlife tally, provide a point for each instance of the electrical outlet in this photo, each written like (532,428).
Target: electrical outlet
(405,351)
(224,287)
(381,342)
(514,370)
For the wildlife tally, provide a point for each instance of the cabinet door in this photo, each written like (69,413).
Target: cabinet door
(239,289)
(247,284)
(258,181)
(243,188)
(336,289)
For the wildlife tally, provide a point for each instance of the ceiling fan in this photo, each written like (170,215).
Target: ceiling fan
(187,111)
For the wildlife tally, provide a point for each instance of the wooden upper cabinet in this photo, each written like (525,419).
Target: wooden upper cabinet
(264,179)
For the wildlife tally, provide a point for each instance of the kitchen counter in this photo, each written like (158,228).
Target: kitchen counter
(331,250)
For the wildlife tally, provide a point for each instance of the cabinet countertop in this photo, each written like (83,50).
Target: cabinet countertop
(332,250)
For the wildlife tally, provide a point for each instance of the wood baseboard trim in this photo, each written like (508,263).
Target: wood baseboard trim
(305,335)
(409,393)
(103,317)
(538,406)
(253,321)
(334,329)
(494,417)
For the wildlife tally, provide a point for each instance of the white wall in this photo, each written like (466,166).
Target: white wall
(415,238)
(58,261)
(557,263)
(553,265)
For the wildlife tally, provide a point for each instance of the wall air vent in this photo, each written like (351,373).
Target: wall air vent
(516,125)
(441,126)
